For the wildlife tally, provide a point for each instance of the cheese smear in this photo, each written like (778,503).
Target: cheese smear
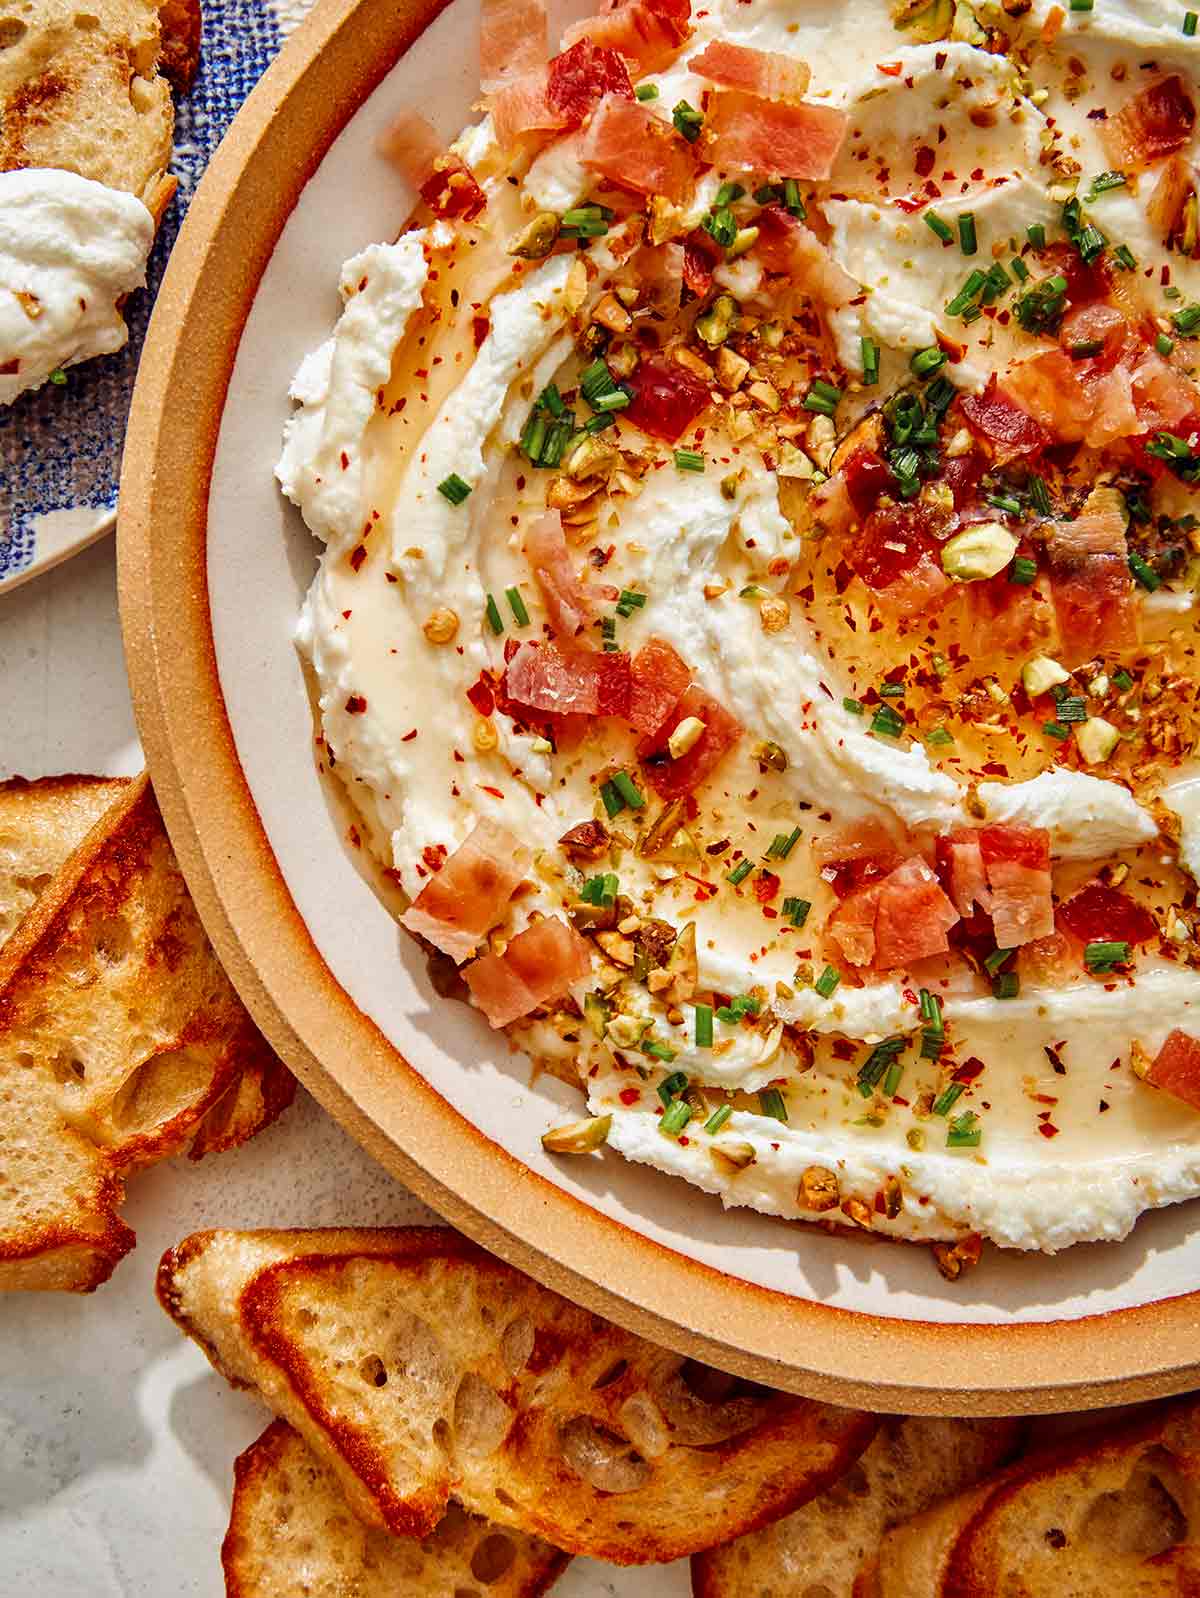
(70,251)
(412,606)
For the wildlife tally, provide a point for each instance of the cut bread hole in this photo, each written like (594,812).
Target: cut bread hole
(493,1558)
(1144,1518)
(373,1371)
(611,1375)
(162,1087)
(605,1461)
(86,22)
(12,31)
(516,1344)
(481,1417)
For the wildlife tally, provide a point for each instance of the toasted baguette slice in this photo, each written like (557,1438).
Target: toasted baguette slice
(912,1463)
(291,1532)
(86,90)
(119,1034)
(420,1368)
(1111,1512)
(41,823)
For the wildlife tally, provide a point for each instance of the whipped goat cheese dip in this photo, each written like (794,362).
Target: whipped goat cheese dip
(71,249)
(757,616)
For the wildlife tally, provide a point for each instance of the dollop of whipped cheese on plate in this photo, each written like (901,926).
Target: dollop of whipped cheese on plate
(757,622)
(70,250)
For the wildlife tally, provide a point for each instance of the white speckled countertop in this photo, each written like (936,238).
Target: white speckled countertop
(117,1440)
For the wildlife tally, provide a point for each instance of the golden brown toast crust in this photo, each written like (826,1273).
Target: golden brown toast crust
(182,25)
(119,1034)
(554,1502)
(289,1522)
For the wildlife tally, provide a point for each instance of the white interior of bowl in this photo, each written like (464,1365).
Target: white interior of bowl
(261,559)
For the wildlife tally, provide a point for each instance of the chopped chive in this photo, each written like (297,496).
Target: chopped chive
(728,193)
(672,1086)
(1055,729)
(1006,985)
(454,489)
(826,983)
(1071,707)
(891,690)
(1144,573)
(1122,680)
(767,193)
(1036,234)
(1189,24)
(613,803)
(1106,181)
(704,1026)
(1085,348)
(886,723)
(870,361)
(1163,344)
(854,706)
(796,911)
(657,1050)
(740,872)
(967,241)
(586,221)
(551,400)
(873,1068)
(688,121)
(1039,496)
(935,224)
(492,612)
(1005,502)
(646,91)
(601,420)
(948,1098)
(1125,258)
(784,843)
(933,1035)
(1103,955)
(1082,5)
(964,1132)
(1187,320)
(741,1004)
(770,1102)
(629,601)
(996,959)
(891,1081)
(689,460)
(517,605)
(1020,270)
(939,737)
(629,790)
(722,225)
(925,362)
(793,203)
(673,1121)
(1022,571)
(718,1119)
(823,398)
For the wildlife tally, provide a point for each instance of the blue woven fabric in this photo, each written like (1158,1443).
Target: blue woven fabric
(61,447)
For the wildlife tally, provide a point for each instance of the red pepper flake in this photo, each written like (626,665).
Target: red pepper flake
(345,460)
(890,69)
(766,886)
(409,736)
(357,555)
(1048,1129)
(434,855)
(629,1096)
(924,161)
(480,328)
(969,1070)
(496,793)
(355,705)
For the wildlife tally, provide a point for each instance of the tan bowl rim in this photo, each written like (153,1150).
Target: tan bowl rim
(323,74)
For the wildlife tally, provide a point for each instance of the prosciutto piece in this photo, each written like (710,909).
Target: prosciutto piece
(667,398)
(1154,123)
(512,40)
(634,149)
(648,33)
(569,604)
(658,680)
(893,922)
(466,898)
(443,182)
(763,72)
(748,134)
(1017,862)
(673,779)
(1090,584)
(786,245)
(539,964)
(1176,1068)
(548,680)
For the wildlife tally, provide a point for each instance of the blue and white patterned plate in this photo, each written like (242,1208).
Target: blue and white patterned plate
(60,448)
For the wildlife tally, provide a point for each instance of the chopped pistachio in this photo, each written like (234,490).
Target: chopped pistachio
(715,326)
(1041,674)
(731,369)
(793,462)
(626,1030)
(732,1156)
(537,238)
(961,444)
(744,239)
(591,457)
(578,1137)
(818,1189)
(774,613)
(978,552)
(686,735)
(1096,739)
(610,313)
(765,394)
